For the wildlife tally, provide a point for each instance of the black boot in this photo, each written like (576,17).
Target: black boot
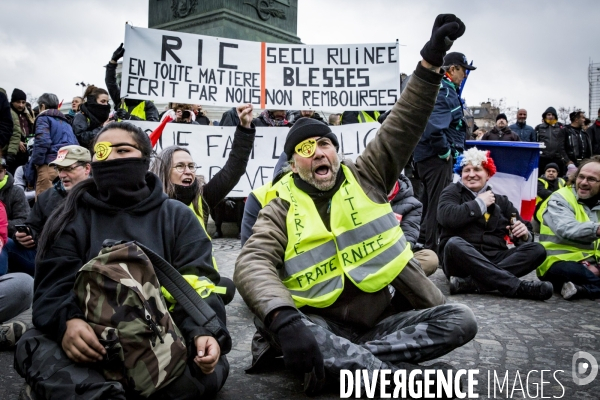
(571,291)
(462,285)
(534,290)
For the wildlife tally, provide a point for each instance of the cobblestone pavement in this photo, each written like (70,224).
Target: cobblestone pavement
(515,337)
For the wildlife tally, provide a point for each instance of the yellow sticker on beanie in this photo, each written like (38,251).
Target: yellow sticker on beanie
(102,150)
(306,148)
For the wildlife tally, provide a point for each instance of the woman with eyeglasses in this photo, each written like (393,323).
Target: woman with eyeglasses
(176,169)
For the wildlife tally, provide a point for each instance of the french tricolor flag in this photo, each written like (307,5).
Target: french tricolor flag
(516,171)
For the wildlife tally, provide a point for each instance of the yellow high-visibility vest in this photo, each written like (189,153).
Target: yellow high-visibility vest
(364,117)
(365,243)
(561,184)
(139,110)
(558,249)
(201,220)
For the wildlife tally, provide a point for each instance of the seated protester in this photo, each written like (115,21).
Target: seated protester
(52,131)
(569,231)
(127,108)
(123,201)
(271,118)
(292,116)
(231,210)
(16,207)
(16,294)
(92,117)
(409,211)
(73,166)
(20,181)
(314,299)
(548,184)
(474,223)
(180,114)
(501,132)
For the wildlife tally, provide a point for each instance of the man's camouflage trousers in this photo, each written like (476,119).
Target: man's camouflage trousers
(52,375)
(397,342)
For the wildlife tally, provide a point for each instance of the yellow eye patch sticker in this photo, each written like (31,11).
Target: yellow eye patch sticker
(306,148)
(102,150)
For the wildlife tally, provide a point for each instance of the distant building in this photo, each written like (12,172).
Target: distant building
(484,116)
(594,80)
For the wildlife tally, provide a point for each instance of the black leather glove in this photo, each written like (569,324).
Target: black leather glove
(446,29)
(11,159)
(122,113)
(298,344)
(118,53)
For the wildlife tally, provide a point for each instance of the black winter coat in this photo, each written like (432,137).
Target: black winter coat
(553,138)
(84,133)
(577,143)
(167,226)
(110,79)
(411,209)
(15,202)
(594,133)
(459,215)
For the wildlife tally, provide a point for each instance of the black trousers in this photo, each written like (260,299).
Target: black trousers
(500,272)
(435,175)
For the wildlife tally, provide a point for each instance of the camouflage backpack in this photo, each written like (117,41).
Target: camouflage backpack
(120,295)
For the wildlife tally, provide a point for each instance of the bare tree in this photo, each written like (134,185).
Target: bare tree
(31,99)
(503,108)
(563,114)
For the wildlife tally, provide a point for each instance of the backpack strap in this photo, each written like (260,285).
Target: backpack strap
(192,303)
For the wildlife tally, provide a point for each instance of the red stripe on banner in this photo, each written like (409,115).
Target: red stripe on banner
(263,73)
(527,209)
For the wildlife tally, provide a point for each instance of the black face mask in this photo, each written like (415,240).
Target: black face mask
(97,113)
(121,182)
(186,194)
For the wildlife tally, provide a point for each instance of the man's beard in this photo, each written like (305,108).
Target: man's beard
(307,176)
(521,121)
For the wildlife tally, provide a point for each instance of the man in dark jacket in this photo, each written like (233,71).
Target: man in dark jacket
(578,145)
(501,131)
(525,132)
(6,121)
(358,117)
(73,166)
(230,118)
(52,131)
(442,141)
(292,116)
(593,132)
(326,320)
(550,133)
(474,223)
(128,109)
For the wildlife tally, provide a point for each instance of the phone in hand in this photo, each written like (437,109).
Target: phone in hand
(23,229)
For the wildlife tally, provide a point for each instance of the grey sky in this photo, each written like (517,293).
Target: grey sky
(533,53)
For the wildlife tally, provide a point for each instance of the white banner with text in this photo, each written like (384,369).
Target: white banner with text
(210,147)
(167,66)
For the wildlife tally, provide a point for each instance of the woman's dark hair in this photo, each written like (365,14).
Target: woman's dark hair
(573,177)
(65,213)
(163,165)
(94,92)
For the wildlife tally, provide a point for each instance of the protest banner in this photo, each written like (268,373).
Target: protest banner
(210,146)
(196,69)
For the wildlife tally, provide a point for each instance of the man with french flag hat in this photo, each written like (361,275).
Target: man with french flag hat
(474,224)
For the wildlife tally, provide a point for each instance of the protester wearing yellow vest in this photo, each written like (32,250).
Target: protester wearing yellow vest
(126,108)
(474,223)
(548,183)
(326,246)
(570,232)
(176,169)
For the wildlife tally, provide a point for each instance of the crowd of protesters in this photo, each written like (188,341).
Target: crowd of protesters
(333,251)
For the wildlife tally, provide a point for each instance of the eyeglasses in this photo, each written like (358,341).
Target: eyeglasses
(181,167)
(588,178)
(67,169)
